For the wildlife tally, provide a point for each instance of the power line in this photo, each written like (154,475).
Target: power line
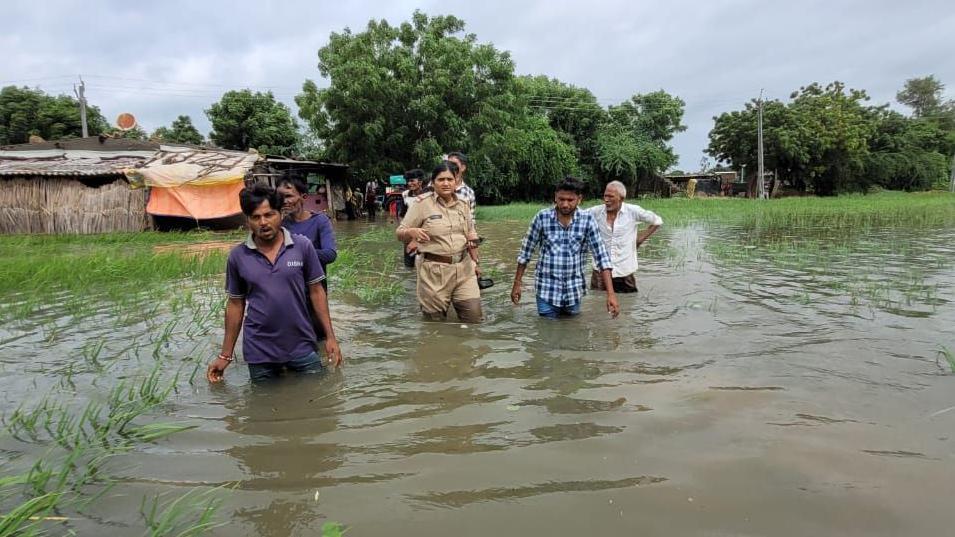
(189,84)
(130,89)
(535,101)
(17,81)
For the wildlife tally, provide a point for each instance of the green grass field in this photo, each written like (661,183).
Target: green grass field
(849,210)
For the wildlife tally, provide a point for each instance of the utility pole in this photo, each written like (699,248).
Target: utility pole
(81,95)
(760,180)
(951,187)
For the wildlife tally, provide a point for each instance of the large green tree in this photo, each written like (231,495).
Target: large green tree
(244,119)
(834,131)
(905,153)
(25,112)
(828,139)
(657,115)
(819,140)
(925,96)
(182,131)
(400,96)
(571,111)
(632,143)
(930,107)
(627,142)
(734,139)
(522,161)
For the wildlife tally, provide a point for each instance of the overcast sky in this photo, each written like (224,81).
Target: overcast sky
(161,59)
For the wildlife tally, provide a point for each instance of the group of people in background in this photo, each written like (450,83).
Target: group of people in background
(277,285)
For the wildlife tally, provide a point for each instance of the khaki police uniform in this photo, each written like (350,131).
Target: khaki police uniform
(445,270)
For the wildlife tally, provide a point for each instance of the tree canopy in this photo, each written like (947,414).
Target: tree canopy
(25,112)
(924,96)
(242,120)
(401,96)
(181,131)
(829,140)
(135,133)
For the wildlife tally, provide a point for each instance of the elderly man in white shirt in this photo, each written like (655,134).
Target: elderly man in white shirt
(618,223)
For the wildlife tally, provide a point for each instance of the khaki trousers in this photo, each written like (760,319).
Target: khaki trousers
(442,285)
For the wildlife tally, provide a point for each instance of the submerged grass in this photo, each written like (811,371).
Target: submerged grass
(366,267)
(172,296)
(192,513)
(75,442)
(75,272)
(79,274)
(848,210)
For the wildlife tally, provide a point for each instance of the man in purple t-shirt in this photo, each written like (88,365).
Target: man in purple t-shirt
(316,226)
(267,278)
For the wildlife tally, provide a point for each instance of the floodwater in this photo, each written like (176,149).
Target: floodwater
(763,382)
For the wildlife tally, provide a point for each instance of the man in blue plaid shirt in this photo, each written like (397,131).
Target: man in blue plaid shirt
(563,234)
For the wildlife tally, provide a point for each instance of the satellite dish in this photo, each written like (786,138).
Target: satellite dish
(125,121)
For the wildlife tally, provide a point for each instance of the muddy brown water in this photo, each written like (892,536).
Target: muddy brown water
(778,383)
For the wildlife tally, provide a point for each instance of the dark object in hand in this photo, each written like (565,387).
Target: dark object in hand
(484,283)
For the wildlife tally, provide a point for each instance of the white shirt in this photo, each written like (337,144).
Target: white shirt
(621,241)
(409,198)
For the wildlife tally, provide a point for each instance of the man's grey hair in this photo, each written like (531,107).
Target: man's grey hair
(618,186)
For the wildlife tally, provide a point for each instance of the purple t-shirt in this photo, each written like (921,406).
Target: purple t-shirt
(318,229)
(277,326)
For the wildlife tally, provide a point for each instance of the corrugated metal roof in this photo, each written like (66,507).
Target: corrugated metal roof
(283,160)
(68,165)
(90,143)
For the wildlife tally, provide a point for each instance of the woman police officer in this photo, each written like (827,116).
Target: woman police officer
(443,229)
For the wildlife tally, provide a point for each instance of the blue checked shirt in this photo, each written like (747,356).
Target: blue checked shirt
(560,270)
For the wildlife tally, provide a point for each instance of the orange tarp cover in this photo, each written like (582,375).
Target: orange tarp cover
(198,202)
(192,182)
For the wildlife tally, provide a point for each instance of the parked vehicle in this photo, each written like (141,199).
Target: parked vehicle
(392,199)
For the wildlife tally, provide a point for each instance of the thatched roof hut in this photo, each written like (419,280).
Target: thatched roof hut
(100,184)
(74,186)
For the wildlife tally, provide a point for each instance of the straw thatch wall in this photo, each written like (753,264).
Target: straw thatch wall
(65,205)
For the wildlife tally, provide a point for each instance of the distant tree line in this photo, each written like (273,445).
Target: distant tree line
(26,112)
(399,97)
(829,140)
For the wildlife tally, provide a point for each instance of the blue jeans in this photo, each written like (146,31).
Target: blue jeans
(310,363)
(552,312)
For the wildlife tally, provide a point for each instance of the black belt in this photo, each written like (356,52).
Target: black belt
(444,258)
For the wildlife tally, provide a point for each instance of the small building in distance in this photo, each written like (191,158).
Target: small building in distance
(72,186)
(707,183)
(327,181)
(100,184)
